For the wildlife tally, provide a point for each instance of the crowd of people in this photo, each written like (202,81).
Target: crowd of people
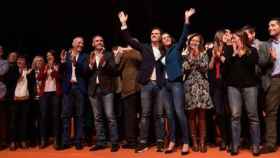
(165,93)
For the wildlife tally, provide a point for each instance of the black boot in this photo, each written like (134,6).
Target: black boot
(43,144)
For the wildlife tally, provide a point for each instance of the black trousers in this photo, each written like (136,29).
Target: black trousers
(33,122)
(3,122)
(218,95)
(18,120)
(131,105)
(50,107)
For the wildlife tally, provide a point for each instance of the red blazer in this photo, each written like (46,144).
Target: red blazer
(43,76)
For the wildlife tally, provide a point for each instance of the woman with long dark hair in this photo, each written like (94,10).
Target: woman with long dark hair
(50,92)
(217,84)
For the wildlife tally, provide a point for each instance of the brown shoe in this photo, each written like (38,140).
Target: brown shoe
(268,149)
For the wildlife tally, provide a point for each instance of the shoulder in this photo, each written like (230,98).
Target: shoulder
(253,50)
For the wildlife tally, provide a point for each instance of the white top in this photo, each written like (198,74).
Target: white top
(157,55)
(97,58)
(22,86)
(50,84)
(74,77)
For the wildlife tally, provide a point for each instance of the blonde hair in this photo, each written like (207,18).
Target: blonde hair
(35,60)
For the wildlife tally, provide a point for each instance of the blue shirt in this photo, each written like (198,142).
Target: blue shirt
(276,67)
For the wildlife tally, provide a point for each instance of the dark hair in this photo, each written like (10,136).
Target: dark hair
(172,38)
(275,19)
(157,28)
(250,28)
(53,53)
(201,43)
(22,56)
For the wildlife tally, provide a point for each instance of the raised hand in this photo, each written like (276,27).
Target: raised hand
(123,18)
(188,14)
(56,67)
(92,59)
(63,55)
(116,51)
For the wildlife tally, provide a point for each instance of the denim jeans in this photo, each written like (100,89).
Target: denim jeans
(73,105)
(103,105)
(172,98)
(249,96)
(150,101)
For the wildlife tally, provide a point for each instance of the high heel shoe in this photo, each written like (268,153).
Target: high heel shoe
(170,149)
(185,149)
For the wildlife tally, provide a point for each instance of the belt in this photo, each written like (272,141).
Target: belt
(276,76)
(153,81)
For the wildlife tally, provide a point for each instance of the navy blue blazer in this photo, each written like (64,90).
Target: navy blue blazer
(148,62)
(174,58)
(66,70)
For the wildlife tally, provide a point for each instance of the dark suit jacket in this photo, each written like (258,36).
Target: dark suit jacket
(10,79)
(148,62)
(106,74)
(266,64)
(66,71)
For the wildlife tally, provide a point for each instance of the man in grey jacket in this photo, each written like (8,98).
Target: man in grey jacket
(269,60)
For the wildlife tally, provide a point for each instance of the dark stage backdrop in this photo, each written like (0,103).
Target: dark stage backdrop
(33,27)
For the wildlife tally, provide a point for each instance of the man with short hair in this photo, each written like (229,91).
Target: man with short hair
(151,77)
(73,67)
(102,70)
(270,63)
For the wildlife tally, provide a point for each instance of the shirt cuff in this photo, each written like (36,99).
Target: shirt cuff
(124,27)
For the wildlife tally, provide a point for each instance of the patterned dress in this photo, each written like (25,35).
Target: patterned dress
(196,84)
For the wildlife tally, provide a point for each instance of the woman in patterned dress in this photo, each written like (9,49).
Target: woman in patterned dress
(196,85)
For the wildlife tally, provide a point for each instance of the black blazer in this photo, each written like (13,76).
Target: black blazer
(106,74)
(148,62)
(10,80)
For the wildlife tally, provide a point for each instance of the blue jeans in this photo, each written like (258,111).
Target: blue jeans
(103,105)
(73,105)
(150,100)
(249,96)
(172,98)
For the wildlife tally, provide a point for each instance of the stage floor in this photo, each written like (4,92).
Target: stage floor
(123,153)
